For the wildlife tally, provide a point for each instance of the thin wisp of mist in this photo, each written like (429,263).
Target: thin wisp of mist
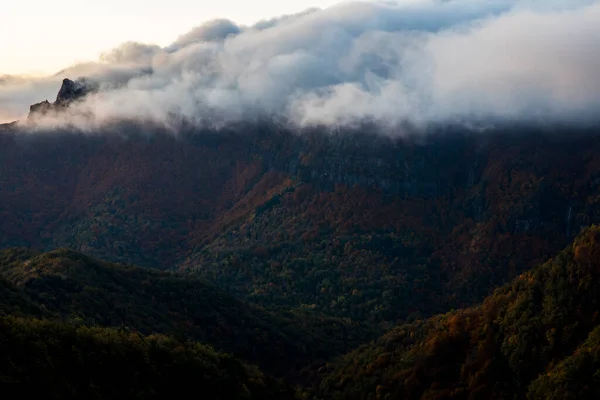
(422,61)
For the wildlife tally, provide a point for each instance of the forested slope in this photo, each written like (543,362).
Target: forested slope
(43,359)
(536,337)
(352,224)
(80,290)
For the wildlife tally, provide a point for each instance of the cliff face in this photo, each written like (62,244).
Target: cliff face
(71,91)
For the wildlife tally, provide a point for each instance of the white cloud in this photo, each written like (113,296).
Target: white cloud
(418,61)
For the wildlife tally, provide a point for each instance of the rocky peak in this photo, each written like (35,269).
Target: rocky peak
(72,90)
(69,92)
(40,108)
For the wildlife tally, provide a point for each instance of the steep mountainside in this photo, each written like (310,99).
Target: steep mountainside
(304,238)
(354,224)
(536,337)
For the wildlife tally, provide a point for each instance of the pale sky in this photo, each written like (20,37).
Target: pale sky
(42,37)
(385,60)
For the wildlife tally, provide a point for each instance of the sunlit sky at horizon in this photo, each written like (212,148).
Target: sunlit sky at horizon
(40,37)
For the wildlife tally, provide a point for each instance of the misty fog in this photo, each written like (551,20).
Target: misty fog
(421,61)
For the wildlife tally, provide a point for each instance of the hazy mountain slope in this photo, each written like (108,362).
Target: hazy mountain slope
(82,290)
(352,223)
(64,190)
(334,251)
(502,203)
(55,361)
(528,338)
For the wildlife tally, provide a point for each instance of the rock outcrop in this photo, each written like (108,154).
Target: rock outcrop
(70,92)
(7,126)
(40,108)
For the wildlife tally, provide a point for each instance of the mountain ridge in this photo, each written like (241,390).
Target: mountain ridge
(77,289)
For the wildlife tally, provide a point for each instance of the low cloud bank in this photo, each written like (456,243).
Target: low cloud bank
(421,61)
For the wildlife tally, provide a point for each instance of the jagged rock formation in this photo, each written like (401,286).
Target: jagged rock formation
(70,91)
(73,90)
(40,108)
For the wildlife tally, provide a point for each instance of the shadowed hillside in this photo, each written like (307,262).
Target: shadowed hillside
(55,361)
(353,223)
(536,337)
(317,234)
(80,290)
(375,200)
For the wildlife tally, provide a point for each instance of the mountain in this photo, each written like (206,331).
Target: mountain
(76,289)
(289,247)
(352,224)
(534,338)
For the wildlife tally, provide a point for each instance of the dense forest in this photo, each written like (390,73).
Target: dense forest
(51,345)
(536,337)
(361,226)
(57,361)
(79,290)
(261,262)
